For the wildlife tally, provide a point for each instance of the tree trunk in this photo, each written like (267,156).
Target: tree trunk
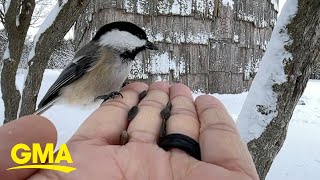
(17,32)
(304,31)
(47,43)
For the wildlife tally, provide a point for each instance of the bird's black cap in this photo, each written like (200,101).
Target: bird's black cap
(121,26)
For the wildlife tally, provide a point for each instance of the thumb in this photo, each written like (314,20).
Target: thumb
(27,130)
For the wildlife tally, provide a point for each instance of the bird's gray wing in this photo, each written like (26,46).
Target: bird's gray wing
(82,63)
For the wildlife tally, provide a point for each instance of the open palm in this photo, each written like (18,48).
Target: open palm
(97,153)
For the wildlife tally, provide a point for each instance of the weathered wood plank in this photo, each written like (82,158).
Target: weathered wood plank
(198,82)
(236,83)
(219,82)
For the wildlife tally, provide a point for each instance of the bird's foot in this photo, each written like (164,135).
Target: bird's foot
(109,96)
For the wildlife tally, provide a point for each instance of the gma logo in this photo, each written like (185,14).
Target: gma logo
(39,157)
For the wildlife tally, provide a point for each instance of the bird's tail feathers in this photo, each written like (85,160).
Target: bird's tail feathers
(44,108)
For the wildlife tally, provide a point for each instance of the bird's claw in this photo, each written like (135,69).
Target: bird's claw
(109,96)
(125,84)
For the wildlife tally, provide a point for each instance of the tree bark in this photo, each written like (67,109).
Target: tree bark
(304,31)
(47,43)
(16,38)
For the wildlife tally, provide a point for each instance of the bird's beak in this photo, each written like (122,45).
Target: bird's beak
(151,46)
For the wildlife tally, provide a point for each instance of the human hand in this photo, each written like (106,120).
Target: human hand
(97,154)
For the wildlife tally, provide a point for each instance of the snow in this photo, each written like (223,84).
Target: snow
(251,122)
(46,24)
(298,159)
(140,6)
(210,7)
(180,37)
(200,6)
(162,63)
(176,7)
(233,102)
(236,38)
(246,17)
(228,3)
(6,54)
(129,6)
(18,20)
(275,4)
(186,7)
(281,3)
(7,4)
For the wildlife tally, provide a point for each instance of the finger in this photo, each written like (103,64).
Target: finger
(108,121)
(146,124)
(27,130)
(219,139)
(184,118)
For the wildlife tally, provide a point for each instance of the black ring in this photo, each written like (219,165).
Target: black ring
(183,142)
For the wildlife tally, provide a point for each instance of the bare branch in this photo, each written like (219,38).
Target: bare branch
(3,3)
(2,17)
(48,42)
(16,39)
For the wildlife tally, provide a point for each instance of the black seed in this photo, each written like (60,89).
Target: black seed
(166,112)
(143,94)
(132,113)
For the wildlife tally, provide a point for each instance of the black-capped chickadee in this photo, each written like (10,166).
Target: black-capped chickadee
(99,68)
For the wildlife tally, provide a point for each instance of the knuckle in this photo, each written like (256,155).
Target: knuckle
(184,112)
(211,106)
(181,99)
(152,103)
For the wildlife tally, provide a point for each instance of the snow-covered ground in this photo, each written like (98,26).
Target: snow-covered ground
(298,159)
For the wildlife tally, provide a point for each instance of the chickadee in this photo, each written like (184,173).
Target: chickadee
(99,68)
